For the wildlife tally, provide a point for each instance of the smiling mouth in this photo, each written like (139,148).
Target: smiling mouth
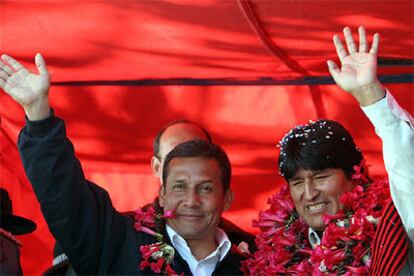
(190,216)
(191,219)
(316,207)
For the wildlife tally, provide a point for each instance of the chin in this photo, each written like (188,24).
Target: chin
(317,225)
(319,228)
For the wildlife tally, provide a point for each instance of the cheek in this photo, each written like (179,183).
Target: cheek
(295,195)
(332,192)
(214,204)
(171,199)
(335,189)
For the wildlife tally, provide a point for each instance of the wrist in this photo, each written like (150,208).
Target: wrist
(369,93)
(38,110)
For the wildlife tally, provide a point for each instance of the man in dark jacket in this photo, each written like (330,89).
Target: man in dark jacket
(168,137)
(97,238)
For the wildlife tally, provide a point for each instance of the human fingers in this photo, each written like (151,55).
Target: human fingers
(333,70)
(340,50)
(6,68)
(41,65)
(4,75)
(2,84)
(12,62)
(363,46)
(349,41)
(375,44)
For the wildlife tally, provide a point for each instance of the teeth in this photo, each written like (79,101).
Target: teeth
(316,206)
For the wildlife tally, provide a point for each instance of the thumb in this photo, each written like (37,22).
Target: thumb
(333,70)
(41,65)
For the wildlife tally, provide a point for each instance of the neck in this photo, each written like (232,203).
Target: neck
(319,233)
(201,248)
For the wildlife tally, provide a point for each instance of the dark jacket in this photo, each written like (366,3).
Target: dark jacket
(96,238)
(9,255)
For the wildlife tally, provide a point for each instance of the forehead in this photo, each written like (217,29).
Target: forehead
(193,169)
(177,134)
(302,173)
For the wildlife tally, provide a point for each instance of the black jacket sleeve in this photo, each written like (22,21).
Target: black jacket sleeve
(79,214)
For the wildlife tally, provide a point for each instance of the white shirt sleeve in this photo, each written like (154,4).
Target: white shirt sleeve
(395,127)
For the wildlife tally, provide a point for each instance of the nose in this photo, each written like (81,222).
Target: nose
(310,191)
(192,199)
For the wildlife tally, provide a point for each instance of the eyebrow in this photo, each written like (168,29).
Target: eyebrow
(295,178)
(312,174)
(202,182)
(205,182)
(179,181)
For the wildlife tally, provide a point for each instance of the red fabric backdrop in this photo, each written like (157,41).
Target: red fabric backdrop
(207,61)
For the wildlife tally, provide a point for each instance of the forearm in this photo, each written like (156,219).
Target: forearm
(79,213)
(369,94)
(395,127)
(38,110)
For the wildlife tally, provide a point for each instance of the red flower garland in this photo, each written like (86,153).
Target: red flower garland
(283,246)
(157,256)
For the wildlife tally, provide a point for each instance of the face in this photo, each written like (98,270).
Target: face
(195,191)
(173,136)
(315,193)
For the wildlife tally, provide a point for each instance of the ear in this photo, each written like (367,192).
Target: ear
(161,196)
(156,166)
(228,199)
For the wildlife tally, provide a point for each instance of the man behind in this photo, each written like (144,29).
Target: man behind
(173,134)
(169,136)
(332,218)
(80,215)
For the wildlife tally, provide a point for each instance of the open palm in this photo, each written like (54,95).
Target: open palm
(358,66)
(25,87)
(357,70)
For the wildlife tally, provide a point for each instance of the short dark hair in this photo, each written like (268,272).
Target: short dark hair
(157,139)
(202,149)
(317,146)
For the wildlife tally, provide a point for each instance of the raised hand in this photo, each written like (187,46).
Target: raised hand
(28,89)
(358,72)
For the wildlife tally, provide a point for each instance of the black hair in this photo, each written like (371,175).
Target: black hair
(203,149)
(317,146)
(157,139)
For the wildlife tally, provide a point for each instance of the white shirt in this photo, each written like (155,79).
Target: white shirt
(395,127)
(313,238)
(204,267)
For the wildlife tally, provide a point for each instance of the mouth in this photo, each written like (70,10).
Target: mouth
(190,217)
(316,208)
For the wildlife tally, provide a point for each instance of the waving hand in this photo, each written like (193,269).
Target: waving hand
(28,89)
(358,72)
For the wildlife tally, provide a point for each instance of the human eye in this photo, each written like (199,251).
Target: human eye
(322,175)
(178,187)
(206,188)
(295,183)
